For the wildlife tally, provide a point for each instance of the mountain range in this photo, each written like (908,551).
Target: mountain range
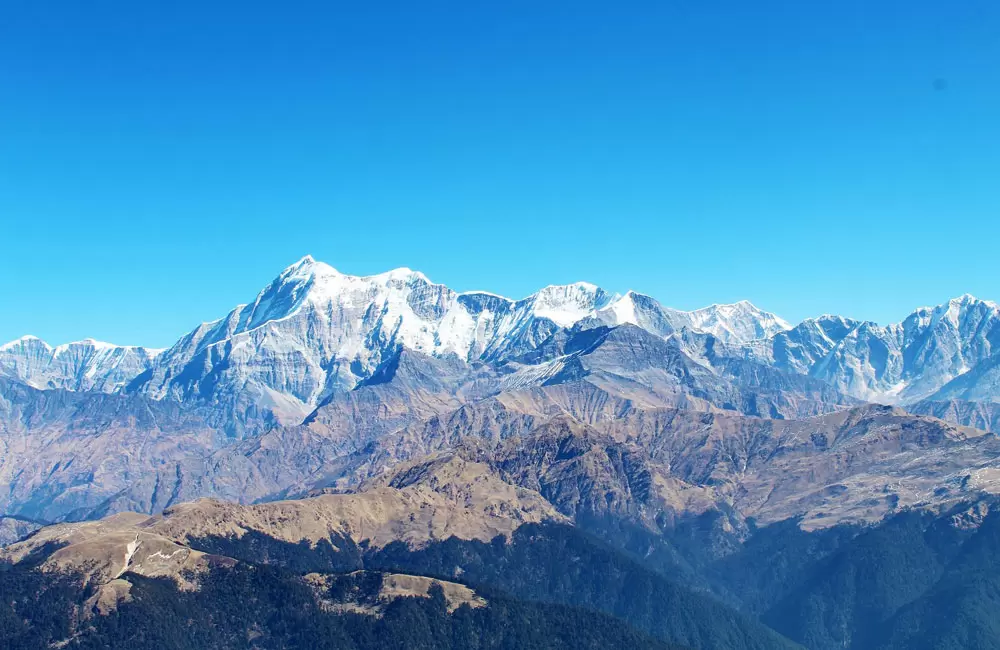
(728,461)
(314,331)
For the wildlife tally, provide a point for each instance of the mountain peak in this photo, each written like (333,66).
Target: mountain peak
(968,299)
(92,343)
(739,305)
(26,339)
(307,267)
(737,322)
(567,304)
(85,365)
(404,274)
(570,288)
(964,300)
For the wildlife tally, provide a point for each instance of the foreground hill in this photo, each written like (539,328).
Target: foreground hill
(446,545)
(244,605)
(450,520)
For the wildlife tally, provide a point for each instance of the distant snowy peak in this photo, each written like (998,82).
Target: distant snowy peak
(25,343)
(313,331)
(738,322)
(321,284)
(964,312)
(311,282)
(566,305)
(86,365)
(433,319)
(955,306)
(897,363)
(318,284)
(96,349)
(645,312)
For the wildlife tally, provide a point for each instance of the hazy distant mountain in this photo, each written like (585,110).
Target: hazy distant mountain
(13,529)
(981,415)
(86,365)
(898,363)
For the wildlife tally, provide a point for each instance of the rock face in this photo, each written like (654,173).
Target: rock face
(980,415)
(314,332)
(904,362)
(87,365)
(598,458)
(76,455)
(13,529)
(980,384)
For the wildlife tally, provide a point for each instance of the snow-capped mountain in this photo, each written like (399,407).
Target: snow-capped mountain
(86,365)
(737,323)
(314,331)
(898,363)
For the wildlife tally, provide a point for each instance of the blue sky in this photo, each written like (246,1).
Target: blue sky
(162,161)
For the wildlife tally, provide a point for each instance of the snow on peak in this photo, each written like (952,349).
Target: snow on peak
(307,267)
(966,301)
(88,343)
(313,330)
(624,310)
(27,339)
(738,322)
(402,275)
(80,365)
(319,283)
(567,304)
(434,319)
(963,301)
(951,313)
(285,294)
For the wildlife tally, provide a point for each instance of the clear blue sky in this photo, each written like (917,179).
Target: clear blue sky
(162,161)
